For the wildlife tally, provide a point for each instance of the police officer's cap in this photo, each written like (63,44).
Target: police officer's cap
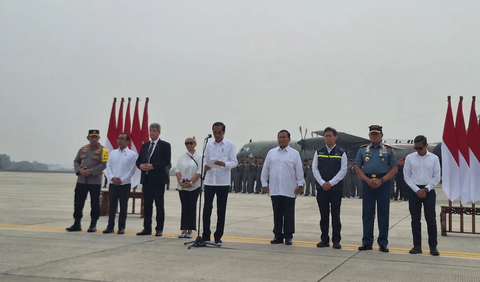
(375,129)
(93,132)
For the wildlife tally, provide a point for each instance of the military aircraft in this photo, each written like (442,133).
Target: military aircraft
(347,142)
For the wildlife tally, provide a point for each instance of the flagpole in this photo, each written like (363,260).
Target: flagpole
(473,218)
(449,217)
(473,204)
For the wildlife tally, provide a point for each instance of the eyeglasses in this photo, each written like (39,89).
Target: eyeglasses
(418,148)
(121,138)
(188,143)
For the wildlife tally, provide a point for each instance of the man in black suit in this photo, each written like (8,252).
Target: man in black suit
(153,159)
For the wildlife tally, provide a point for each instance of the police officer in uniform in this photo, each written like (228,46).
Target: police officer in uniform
(329,169)
(89,164)
(376,163)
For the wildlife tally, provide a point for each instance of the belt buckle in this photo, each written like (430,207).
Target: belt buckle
(374,176)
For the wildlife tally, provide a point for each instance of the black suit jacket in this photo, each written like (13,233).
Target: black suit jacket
(160,159)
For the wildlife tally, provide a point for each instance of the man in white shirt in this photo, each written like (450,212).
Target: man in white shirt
(282,178)
(120,169)
(220,157)
(422,174)
(329,169)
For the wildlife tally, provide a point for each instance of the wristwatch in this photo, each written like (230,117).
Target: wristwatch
(381,179)
(426,189)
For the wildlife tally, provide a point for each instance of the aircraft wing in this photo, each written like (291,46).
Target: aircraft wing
(345,137)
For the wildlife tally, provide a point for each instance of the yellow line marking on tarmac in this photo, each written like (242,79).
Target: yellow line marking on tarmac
(241,240)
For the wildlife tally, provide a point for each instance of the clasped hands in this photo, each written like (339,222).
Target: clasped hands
(374,183)
(186,184)
(85,172)
(146,167)
(117,181)
(422,193)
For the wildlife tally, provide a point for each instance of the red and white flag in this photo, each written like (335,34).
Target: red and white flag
(128,124)
(120,118)
(450,162)
(464,156)
(136,141)
(145,126)
(111,143)
(474,143)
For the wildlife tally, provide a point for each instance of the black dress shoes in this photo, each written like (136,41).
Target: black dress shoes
(434,252)
(144,232)
(288,242)
(93,226)
(74,227)
(107,231)
(416,250)
(276,241)
(121,231)
(337,246)
(159,233)
(383,249)
(365,247)
(323,244)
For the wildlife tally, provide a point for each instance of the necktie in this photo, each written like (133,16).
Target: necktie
(147,159)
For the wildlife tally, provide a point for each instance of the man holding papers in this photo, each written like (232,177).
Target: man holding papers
(220,158)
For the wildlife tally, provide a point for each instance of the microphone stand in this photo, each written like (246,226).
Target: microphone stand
(199,241)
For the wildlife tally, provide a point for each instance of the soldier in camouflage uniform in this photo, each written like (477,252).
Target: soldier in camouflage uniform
(258,187)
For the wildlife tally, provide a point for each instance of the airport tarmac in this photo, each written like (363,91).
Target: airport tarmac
(36,207)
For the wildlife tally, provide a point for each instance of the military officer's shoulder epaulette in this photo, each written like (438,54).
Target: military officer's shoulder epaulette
(364,145)
(389,146)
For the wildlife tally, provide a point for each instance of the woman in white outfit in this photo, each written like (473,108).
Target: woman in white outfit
(188,172)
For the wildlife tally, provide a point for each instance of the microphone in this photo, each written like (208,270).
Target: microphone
(208,136)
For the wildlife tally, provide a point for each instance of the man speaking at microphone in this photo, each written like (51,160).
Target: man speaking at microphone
(220,158)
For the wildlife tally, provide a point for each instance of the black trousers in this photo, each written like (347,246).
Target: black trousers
(283,216)
(153,193)
(222,196)
(189,208)
(81,191)
(415,206)
(405,191)
(118,193)
(330,201)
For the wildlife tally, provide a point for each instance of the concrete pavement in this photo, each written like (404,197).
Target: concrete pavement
(36,207)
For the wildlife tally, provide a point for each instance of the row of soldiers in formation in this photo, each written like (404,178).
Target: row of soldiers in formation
(245,178)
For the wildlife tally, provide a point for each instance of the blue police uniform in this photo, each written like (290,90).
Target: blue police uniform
(376,162)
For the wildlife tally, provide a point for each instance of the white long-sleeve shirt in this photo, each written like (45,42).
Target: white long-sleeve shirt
(421,170)
(121,164)
(340,174)
(223,151)
(188,168)
(282,171)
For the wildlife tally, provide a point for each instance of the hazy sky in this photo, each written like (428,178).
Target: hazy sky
(259,66)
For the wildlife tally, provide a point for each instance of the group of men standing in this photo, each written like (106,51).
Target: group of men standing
(282,174)
(245,177)
(121,164)
(376,164)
